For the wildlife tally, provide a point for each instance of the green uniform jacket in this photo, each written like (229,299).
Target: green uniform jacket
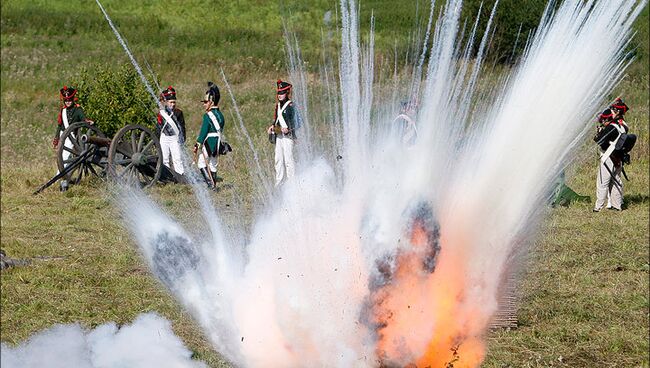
(289,115)
(207,127)
(74,114)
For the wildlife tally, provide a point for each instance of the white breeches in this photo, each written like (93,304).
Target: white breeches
(284,165)
(66,154)
(609,186)
(170,146)
(212,160)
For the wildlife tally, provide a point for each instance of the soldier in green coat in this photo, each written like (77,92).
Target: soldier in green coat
(209,137)
(69,114)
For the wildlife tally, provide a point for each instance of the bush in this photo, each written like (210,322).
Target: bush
(113,99)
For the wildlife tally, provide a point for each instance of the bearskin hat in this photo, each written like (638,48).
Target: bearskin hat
(620,106)
(283,87)
(67,93)
(212,94)
(168,94)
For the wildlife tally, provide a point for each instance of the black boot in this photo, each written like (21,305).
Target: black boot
(64,185)
(214,179)
(206,177)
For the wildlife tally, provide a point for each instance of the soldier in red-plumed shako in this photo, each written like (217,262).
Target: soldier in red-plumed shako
(615,143)
(69,114)
(171,129)
(209,139)
(283,133)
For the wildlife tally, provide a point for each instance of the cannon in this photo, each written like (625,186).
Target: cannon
(133,154)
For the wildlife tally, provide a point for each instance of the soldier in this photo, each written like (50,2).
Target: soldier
(615,144)
(406,123)
(209,137)
(283,133)
(171,129)
(70,113)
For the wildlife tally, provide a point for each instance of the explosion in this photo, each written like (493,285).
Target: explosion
(388,255)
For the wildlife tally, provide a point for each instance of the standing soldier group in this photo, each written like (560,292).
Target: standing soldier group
(209,143)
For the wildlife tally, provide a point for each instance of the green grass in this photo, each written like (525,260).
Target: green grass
(585,287)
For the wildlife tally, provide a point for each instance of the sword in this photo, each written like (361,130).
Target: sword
(611,173)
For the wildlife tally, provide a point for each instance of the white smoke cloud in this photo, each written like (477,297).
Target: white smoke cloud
(322,259)
(148,342)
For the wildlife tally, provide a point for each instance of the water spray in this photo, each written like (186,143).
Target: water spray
(261,178)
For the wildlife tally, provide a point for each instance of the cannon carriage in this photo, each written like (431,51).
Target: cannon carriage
(133,154)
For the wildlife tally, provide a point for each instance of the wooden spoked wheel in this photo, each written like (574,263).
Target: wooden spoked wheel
(73,144)
(135,156)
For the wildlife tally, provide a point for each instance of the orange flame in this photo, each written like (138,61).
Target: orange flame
(423,318)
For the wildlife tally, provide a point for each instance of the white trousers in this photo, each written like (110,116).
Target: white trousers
(170,146)
(212,160)
(66,154)
(609,186)
(285,167)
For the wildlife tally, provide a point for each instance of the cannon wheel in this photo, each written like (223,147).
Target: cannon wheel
(73,135)
(135,154)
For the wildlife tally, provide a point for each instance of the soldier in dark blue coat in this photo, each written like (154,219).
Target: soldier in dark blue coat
(283,133)
(171,128)
(615,143)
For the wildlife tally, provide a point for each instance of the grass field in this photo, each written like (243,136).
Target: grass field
(584,294)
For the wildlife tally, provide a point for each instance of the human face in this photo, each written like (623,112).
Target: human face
(282,97)
(67,103)
(171,104)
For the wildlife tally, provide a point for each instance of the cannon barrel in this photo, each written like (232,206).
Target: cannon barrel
(98,141)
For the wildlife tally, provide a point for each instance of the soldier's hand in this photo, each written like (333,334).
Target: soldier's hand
(269,130)
(285,130)
(55,143)
(196,148)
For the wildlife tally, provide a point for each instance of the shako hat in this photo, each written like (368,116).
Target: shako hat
(283,87)
(67,93)
(605,116)
(169,94)
(212,94)
(620,105)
